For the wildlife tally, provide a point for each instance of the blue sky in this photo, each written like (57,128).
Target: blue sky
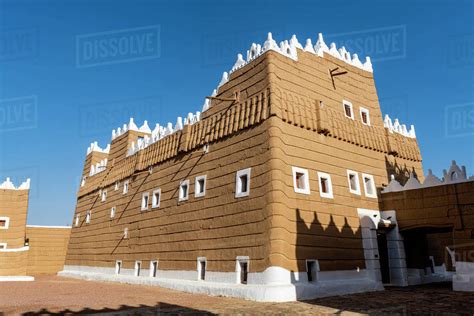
(52,106)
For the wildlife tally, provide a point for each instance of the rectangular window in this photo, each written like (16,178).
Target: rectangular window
(369,185)
(242,185)
(201,268)
(184,190)
(138,268)
(153,268)
(353,180)
(104,195)
(76,222)
(200,186)
(155,199)
(112,212)
(300,180)
(116,185)
(325,185)
(4,222)
(125,187)
(118,266)
(312,268)
(88,217)
(145,198)
(348,112)
(242,269)
(364,116)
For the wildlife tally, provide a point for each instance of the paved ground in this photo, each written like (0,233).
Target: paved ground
(59,295)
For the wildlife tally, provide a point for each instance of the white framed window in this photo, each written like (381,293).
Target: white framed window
(312,269)
(200,186)
(325,185)
(76,221)
(156,198)
(300,180)
(125,233)
(365,116)
(138,268)
(184,190)
(145,200)
(118,266)
(104,195)
(369,185)
(125,186)
(242,269)
(88,217)
(201,268)
(117,185)
(153,268)
(83,181)
(353,181)
(3,245)
(112,212)
(348,109)
(4,222)
(242,183)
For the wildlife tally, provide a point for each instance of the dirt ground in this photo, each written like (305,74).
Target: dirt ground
(56,295)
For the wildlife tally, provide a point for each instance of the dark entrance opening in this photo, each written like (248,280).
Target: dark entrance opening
(202,276)
(383,257)
(244,270)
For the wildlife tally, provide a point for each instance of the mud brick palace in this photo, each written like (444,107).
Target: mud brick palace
(290,184)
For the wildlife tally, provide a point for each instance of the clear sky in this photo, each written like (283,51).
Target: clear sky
(58,94)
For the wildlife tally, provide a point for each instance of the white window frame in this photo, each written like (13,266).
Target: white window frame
(344,103)
(154,202)
(76,221)
(356,174)
(138,268)
(374,189)
(238,260)
(88,217)
(151,269)
(316,264)
(367,112)
(328,195)
(117,185)
(4,244)
(196,186)
(113,211)
(126,183)
(104,195)
(7,222)
(181,192)
(238,183)
(117,264)
(147,196)
(199,260)
(306,189)
(83,181)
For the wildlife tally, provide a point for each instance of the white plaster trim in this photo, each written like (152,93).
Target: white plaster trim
(182,196)
(118,266)
(76,221)
(151,268)
(372,181)
(16,278)
(113,210)
(329,194)
(306,189)
(126,184)
(367,112)
(357,189)
(344,103)
(4,244)
(145,196)
(25,248)
(199,269)
(238,269)
(88,217)
(154,202)
(238,184)
(41,226)
(7,222)
(104,195)
(196,186)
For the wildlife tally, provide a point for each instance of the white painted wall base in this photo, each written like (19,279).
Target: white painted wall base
(463,280)
(20,278)
(274,285)
(424,276)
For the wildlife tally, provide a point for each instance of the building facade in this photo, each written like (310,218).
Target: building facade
(27,250)
(263,195)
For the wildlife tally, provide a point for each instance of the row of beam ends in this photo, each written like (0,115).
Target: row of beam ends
(8,185)
(455,174)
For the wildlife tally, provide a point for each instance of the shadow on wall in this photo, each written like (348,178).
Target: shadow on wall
(159,309)
(401,172)
(335,248)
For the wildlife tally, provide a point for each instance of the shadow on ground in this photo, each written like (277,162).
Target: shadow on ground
(159,309)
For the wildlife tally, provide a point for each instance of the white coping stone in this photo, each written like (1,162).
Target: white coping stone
(16,278)
(280,285)
(25,248)
(42,226)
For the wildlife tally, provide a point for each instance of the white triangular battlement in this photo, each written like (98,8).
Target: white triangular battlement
(8,185)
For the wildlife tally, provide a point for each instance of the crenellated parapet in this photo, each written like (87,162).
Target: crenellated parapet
(8,185)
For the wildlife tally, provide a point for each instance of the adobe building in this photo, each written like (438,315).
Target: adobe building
(27,250)
(272,193)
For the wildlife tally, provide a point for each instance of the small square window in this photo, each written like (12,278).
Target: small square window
(155,199)
(325,185)
(365,116)
(4,222)
(88,217)
(145,198)
(125,187)
(76,222)
(353,180)
(112,212)
(369,185)
(300,180)
(242,179)
(104,195)
(348,112)
(200,186)
(184,190)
